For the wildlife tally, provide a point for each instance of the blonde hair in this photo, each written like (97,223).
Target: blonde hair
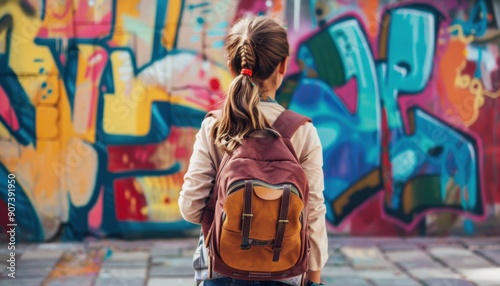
(259,44)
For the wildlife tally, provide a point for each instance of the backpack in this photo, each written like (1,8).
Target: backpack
(255,222)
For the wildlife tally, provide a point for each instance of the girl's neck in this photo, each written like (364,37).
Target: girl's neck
(267,97)
(267,92)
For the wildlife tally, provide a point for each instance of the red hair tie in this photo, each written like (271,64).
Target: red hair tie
(247,72)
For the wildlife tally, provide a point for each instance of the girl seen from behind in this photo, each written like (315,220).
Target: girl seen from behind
(258,53)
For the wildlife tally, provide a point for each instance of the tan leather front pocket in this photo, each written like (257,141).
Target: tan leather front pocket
(257,258)
(265,209)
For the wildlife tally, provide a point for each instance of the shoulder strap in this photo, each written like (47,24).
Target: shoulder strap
(288,122)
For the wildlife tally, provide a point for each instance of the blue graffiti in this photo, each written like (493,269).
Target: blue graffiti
(27,223)
(347,137)
(426,151)
(475,25)
(20,102)
(477,21)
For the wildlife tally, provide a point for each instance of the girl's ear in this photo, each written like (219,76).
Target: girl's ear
(283,65)
(230,68)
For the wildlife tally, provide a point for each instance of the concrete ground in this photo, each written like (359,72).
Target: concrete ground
(353,261)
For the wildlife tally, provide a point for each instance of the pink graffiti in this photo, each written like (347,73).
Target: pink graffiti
(137,157)
(346,93)
(95,214)
(7,111)
(97,63)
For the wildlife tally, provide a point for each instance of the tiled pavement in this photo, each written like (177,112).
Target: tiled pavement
(353,261)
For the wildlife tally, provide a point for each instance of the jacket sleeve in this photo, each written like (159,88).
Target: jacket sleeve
(200,175)
(310,153)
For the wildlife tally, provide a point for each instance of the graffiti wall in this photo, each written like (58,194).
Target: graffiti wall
(100,101)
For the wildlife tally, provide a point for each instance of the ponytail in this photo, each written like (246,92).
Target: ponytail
(240,114)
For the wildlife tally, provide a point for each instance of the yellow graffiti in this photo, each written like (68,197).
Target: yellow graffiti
(126,14)
(474,85)
(491,94)
(476,88)
(50,170)
(58,20)
(38,76)
(171,23)
(87,93)
(127,111)
(4,133)
(3,43)
(162,194)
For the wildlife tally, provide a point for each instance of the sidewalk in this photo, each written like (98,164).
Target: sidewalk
(353,261)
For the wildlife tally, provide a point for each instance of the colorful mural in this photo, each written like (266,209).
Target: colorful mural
(100,101)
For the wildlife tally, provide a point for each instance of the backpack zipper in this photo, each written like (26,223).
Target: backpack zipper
(240,184)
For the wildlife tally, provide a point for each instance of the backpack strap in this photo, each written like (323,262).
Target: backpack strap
(288,122)
(247,215)
(282,222)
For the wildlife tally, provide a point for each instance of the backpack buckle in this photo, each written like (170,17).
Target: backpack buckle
(245,244)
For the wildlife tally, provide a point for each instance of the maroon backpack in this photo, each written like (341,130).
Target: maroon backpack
(255,223)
